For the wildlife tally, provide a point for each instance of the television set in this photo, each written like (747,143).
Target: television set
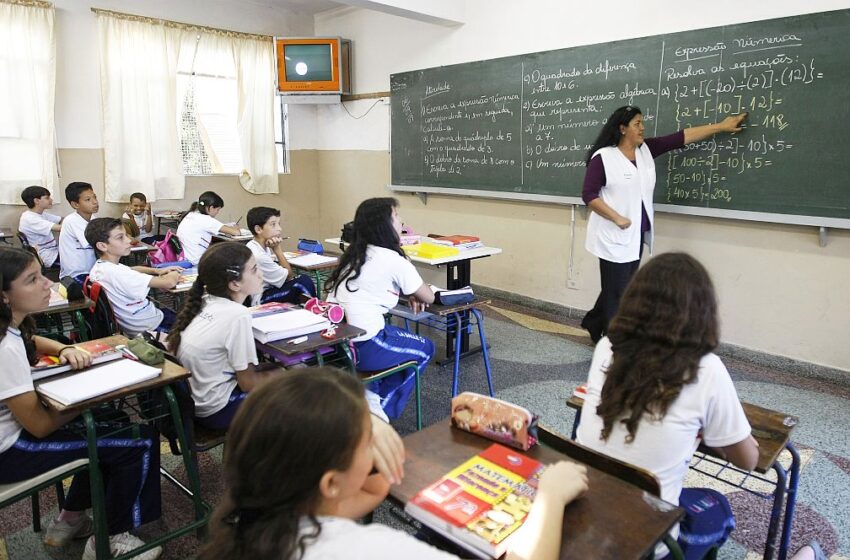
(308,66)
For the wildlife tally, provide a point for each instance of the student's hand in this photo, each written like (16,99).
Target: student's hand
(148,208)
(273,242)
(168,269)
(74,357)
(623,223)
(387,450)
(415,304)
(564,481)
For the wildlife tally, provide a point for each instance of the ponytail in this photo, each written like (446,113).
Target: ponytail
(193,306)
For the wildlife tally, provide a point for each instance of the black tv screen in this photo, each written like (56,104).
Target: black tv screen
(308,63)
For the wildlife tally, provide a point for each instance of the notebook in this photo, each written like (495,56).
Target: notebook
(311,259)
(295,322)
(97,381)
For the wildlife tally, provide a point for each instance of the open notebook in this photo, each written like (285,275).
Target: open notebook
(97,381)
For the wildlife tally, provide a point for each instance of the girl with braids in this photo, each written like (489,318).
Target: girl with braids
(199,225)
(371,274)
(34,439)
(655,387)
(284,503)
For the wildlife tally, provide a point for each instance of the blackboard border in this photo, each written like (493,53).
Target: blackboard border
(745,215)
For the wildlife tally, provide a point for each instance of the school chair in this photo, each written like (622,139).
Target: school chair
(370,376)
(17,491)
(631,474)
(51,272)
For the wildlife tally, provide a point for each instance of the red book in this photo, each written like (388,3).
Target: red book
(271,308)
(455,239)
(481,503)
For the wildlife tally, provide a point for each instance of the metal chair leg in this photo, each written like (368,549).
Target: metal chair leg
(480,320)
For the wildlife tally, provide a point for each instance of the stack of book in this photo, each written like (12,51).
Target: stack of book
(458,241)
(270,325)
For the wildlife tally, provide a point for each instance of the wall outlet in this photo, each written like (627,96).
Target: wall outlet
(573,284)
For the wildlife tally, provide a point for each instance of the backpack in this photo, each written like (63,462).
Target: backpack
(100,319)
(167,251)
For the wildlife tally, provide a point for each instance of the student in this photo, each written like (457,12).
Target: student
(127,288)
(212,335)
(304,506)
(655,386)
(199,225)
(139,212)
(264,223)
(39,226)
(34,439)
(76,256)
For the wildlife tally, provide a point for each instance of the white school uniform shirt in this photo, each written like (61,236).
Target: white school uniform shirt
(274,275)
(15,380)
(627,188)
(76,256)
(709,406)
(215,345)
(127,291)
(140,223)
(344,538)
(37,228)
(384,276)
(195,232)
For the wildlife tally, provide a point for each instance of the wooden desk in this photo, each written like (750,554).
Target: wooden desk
(6,234)
(167,216)
(170,373)
(218,237)
(73,308)
(320,272)
(772,431)
(613,520)
(281,349)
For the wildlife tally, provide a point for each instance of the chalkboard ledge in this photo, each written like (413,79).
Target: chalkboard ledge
(517,196)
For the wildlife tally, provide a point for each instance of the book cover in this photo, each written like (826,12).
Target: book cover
(271,308)
(56,298)
(482,502)
(454,239)
(100,351)
(580,391)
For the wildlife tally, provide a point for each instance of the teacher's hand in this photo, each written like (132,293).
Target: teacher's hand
(733,123)
(623,223)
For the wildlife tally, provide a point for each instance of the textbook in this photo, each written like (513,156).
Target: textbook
(271,308)
(57,297)
(455,240)
(100,351)
(97,381)
(187,278)
(294,322)
(580,391)
(480,504)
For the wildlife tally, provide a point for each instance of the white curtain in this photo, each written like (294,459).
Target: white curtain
(138,77)
(254,60)
(28,68)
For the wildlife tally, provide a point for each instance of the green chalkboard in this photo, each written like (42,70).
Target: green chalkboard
(520,127)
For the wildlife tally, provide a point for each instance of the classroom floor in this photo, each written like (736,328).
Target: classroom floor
(537,360)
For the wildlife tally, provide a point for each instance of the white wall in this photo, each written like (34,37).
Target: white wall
(780,292)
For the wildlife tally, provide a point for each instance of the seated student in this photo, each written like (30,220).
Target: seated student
(127,288)
(305,506)
(212,335)
(39,226)
(34,439)
(655,387)
(76,256)
(371,274)
(139,213)
(199,225)
(264,223)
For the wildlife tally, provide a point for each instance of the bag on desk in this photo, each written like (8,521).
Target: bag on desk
(73,289)
(348,233)
(146,352)
(495,419)
(311,246)
(453,297)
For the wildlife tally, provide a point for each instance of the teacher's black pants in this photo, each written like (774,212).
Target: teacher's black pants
(615,277)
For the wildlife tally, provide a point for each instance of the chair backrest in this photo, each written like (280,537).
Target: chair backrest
(626,472)
(100,317)
(25,243)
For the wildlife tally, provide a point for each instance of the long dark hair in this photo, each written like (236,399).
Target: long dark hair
(666,322)
(219,265)
(373,225)
(13,263)
(207,200)
(610,134)
(287,434)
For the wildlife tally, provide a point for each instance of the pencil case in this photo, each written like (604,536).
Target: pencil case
(495,419)
(310,246)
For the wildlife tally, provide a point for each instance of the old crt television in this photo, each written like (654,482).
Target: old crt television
(313,65)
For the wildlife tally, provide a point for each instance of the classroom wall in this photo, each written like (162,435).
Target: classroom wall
(780,293)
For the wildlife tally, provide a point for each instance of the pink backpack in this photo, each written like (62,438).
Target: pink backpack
(168,250)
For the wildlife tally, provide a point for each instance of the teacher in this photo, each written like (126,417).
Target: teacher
(618,188)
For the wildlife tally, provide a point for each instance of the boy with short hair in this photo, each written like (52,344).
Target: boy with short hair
(139,212)
(39,226)
(264,223)
(127,288)
(76,256)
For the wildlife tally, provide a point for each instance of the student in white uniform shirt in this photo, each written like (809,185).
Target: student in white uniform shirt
(35,439)
(371,274)
(127,288)
(200,224)
(305,506)
(40,226)
(76,256)
(655,389)
(264,223)
(139,212)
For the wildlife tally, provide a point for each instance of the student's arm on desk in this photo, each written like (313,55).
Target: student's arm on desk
(541,533)
(744,454)
(37,419)
(230,230)
(70,355)
(420,299)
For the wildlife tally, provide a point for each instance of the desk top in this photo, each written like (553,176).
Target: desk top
(403,310)
(142,247)
(771,429)
(344,332)
(227,237)
(463,255)
(613,520)
(171,372)
(6,232)
(67,307)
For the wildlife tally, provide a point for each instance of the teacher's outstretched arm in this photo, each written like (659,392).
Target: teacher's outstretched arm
(729,124)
